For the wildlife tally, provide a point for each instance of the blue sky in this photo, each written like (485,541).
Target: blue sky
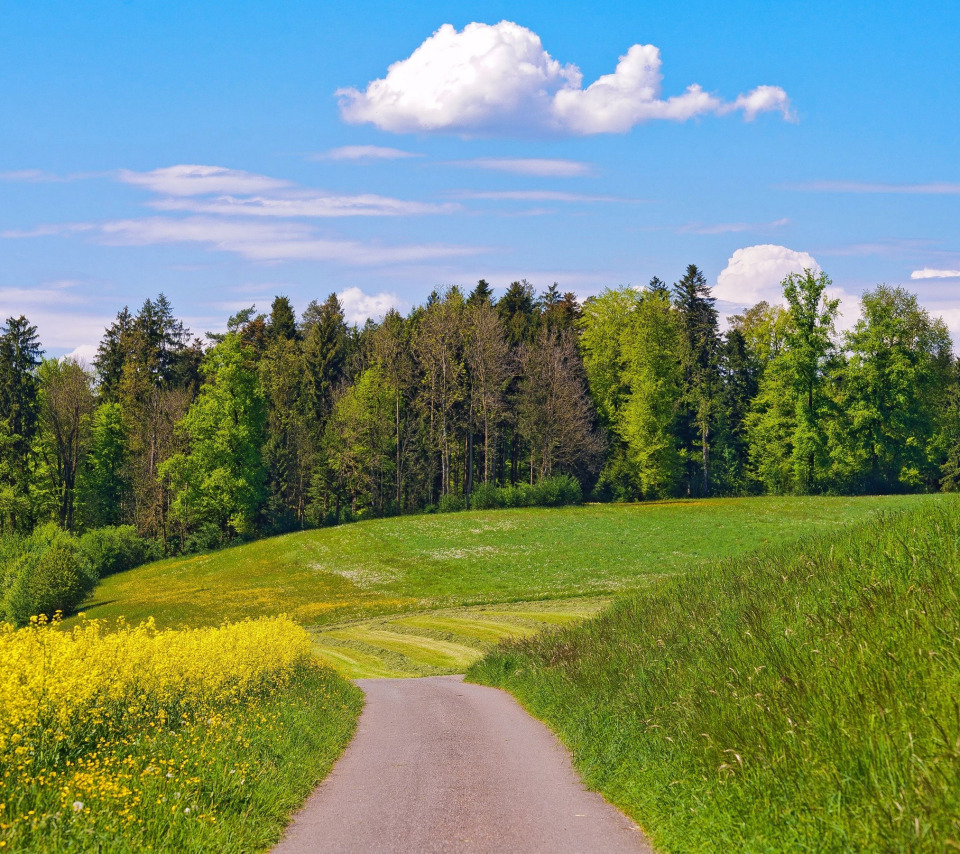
(821,134)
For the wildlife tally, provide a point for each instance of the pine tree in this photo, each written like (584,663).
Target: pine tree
(699,344)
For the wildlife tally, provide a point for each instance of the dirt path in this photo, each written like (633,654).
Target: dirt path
(438,765)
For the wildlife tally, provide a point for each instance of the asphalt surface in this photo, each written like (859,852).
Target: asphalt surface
(439,765)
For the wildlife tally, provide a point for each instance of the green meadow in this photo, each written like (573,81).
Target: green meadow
(800,698)
(416,563)
(424,595)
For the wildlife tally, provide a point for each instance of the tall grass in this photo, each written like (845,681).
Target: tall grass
(806,698)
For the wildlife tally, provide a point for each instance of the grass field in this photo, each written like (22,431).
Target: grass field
(804,698)
(417,563)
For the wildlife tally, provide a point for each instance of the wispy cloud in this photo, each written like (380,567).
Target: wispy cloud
(731,227)
(269,241)
(38,176)
(927,273)
(938,188)
(365,153)
(194,180)
(893,248)
(305,205)
(540,196)
(539,166)
(49,230)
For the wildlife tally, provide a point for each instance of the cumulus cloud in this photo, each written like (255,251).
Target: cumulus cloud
(754,273)
(359,306)
(542,167)
(490,78)
(927,273)
(194,180)
(365,153)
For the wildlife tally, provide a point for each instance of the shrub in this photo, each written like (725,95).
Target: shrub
(451,503)
(485,496)
(52,574)
(112,550)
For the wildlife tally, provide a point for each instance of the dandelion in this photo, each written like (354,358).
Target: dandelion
(78,806)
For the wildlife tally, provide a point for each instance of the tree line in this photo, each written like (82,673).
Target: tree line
(283,423)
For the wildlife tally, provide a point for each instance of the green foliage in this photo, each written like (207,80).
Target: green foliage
(220,479)
(103,481)
(557,491)
(49,573)
(630,345)
(802,698)
(116,549)
(893,390)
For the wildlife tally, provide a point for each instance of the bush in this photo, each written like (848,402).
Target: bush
(451,503)
(549,492)
(485,496)
(204,538)
(52,574)
(112,550)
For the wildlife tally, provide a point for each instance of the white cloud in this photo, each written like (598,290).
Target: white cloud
(304,205)
(927,273)
(48,230)
(358,306)
(491,78)
(730,227)
(187,180)
(540,166)
(269,241)
(83,355)
(365,153)
(539,196)
(939,188)
(754,273)
(60,314)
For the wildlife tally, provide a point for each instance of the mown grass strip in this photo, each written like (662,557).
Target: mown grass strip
(440,642)
(802,699)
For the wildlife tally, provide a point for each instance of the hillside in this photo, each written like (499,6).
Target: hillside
(802,698)
(424,595)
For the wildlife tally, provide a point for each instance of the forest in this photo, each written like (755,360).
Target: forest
(283,423)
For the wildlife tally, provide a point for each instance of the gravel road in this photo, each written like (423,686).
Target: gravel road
(439,765)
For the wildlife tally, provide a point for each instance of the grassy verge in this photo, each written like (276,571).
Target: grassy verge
(801,699)
(136,740)
(414,563)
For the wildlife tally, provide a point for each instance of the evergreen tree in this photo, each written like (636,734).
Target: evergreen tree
(482,293)
(20,355)
(698,351)
(517,311)
(283,322)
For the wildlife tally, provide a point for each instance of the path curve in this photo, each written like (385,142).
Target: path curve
(440,765)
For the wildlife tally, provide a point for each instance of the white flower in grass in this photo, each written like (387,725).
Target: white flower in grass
(77,806)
